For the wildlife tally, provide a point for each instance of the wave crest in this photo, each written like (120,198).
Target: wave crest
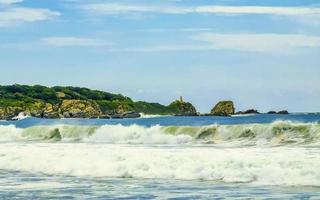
(261,166)
(276,133)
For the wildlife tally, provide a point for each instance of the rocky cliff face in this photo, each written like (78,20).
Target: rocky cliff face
(223,108)
(36,109)
(65,109)
(79,109)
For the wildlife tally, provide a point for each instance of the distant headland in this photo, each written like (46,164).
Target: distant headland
(77,102)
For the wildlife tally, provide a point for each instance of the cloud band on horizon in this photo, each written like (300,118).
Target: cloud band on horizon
(114,8)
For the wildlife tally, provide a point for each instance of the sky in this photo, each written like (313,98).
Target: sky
(261,54)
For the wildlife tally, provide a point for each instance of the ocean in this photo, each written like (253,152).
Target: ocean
(162,157)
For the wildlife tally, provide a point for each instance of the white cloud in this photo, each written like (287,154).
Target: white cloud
(14,16)
(113,8)
(259,42)
(159,30)
(7,2)
(72,41)
(168,47)
(266,43)
(258,10)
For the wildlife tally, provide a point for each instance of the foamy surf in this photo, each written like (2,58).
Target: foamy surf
(143,115)
(280,133)
(256,166)
(283,153)
(21,116)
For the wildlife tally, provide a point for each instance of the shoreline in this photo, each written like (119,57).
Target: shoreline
(161,116)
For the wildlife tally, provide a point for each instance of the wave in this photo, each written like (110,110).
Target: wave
(276,133)
(142,115)
(186,152)
(20,116)
(243,115)
(251,165)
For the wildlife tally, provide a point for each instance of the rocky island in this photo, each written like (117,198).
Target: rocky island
(75,102)
(223,108)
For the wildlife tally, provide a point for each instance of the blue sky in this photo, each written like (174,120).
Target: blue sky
(262,54)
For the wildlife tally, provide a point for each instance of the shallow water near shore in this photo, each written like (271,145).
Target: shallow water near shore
(258,156)
(40,186)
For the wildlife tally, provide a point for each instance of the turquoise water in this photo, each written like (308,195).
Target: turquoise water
(242,157)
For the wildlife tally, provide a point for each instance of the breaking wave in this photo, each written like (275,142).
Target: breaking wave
(142,115)
(251,165)
(289,153)
(276,133)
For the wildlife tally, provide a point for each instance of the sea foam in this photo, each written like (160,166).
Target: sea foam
(252,165)
(278,133)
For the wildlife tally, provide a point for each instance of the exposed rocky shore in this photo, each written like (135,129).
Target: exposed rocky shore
(74,102)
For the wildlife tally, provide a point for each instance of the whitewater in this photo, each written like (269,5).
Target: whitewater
(261,156)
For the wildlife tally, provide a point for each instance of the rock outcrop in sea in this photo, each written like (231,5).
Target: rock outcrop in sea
(223,108)
(250,111)
(183,108)
(282,112)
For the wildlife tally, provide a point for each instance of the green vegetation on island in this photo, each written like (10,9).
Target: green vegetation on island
(76,102)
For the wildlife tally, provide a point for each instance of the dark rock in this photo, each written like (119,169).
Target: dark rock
(250,111)
(117,116)
(105,117)
(192,114)
(52,115)
(283,112)
(131,115)
(94,117)
(10,118)
(206,114)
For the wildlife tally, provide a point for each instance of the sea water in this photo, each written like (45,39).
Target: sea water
(240,157)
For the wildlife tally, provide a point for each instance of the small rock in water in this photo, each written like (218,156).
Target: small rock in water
(283,112)
(250,111)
